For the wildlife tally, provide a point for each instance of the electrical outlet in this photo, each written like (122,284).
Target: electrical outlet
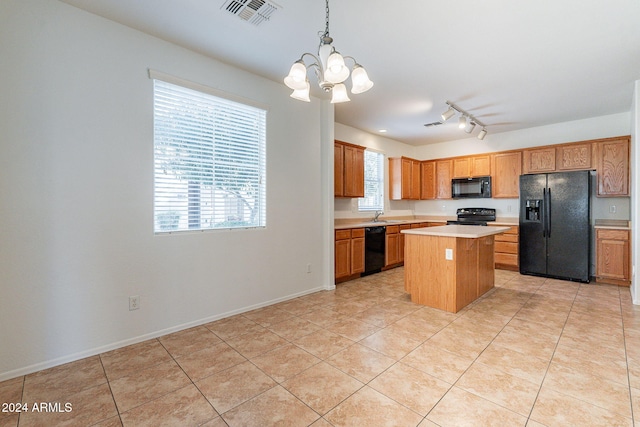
(134,303)
(308,268)
(508,208)
(448,254)
(612,209)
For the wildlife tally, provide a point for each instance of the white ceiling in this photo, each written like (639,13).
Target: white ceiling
(512,64)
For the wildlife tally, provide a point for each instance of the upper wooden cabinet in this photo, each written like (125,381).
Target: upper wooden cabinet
(404,178)
(428,180)
(464,167)
(444,172)
(574,156)
(539,160)
(506,168)
(613,167)
(348,171)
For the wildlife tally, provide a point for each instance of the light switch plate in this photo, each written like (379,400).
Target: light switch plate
(448,254)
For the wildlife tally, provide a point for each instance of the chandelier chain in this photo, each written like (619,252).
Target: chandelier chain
(326,31)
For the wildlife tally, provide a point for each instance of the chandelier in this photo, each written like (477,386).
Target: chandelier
(331,71)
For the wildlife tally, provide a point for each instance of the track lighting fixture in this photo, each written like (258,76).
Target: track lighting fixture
(466,120)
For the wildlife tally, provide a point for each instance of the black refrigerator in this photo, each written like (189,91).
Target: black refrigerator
(555,225)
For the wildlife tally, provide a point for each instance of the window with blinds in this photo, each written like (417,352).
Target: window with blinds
(373,182)
(209,161)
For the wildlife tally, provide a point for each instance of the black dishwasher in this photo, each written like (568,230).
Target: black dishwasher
(374,238)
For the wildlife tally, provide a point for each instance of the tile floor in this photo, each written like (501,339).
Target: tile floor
(533,351)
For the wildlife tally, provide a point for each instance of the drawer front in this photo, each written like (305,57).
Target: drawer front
(506,259)
(404,227)
(507,247)
(393,229)
(507,238)
(511,230)
(612,234)
(343,234)
(357,232)
(419,225)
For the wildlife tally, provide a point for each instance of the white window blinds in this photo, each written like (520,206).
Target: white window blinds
(373,182)
(209,161)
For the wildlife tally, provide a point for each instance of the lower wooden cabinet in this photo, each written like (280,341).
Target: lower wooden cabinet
(613,257)
(392,246)
(349,252)
(506,249)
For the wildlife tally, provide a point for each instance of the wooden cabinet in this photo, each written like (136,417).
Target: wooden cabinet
(613,256)
(464,167)
(404,178)
(613,167)
(444,171)
(574,156)
(539,160)
(348,172)
(401,240)
(506,249)
(392,245)
(349,252)
(507,168)
(429,183)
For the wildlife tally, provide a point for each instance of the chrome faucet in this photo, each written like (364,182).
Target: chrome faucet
(378,213)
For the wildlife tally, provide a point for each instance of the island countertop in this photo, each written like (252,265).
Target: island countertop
(463,231)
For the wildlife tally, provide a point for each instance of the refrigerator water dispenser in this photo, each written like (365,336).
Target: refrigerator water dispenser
(532,210)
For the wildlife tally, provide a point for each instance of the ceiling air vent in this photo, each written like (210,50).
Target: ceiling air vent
(433,124)
(252,11)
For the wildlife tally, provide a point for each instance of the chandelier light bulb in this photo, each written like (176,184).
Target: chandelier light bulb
(360,80)
(336,71)
(339,94)
(297,78)
(302,94)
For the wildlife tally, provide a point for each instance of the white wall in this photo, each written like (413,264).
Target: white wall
(635,193)
(76,192)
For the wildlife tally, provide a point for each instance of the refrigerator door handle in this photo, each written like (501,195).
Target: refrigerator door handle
(543,212)
(548,205)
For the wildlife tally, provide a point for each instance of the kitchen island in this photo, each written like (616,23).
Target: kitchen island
(448,267)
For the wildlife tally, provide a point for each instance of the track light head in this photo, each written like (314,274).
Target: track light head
(462,121)
(471,127)
(482,134)
(448,114)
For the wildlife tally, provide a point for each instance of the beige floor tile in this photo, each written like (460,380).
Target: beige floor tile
(216,422)
(274,407)
(268,316)
(54,383)
(361,362)
(509,391)
(285,362)
(234,386)
(368,407)
(323,343)
(461,408)
(185,406)
(10,392)
(256,343)
(322,387)
(512,362)
(614,369)
(297,306)
(230,327)
(553,408)
(146,385)
(189,341)
(596,390)
(459,341)
(419,327)
(294,328)
(353,329)
(110,422)
(134,358)
(410,387)
(210,360)
(390,343)
(88,407)
(523,341)
(325,317)
(439,363)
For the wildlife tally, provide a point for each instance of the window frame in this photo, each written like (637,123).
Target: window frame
(235,145)
(379,181)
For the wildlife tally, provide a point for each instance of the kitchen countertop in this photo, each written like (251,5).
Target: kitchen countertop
(342,224)
(615,224)
(463,231)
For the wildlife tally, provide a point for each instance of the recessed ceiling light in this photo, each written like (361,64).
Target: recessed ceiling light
(382,131)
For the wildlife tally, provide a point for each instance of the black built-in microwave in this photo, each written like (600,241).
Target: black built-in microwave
(471,188)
